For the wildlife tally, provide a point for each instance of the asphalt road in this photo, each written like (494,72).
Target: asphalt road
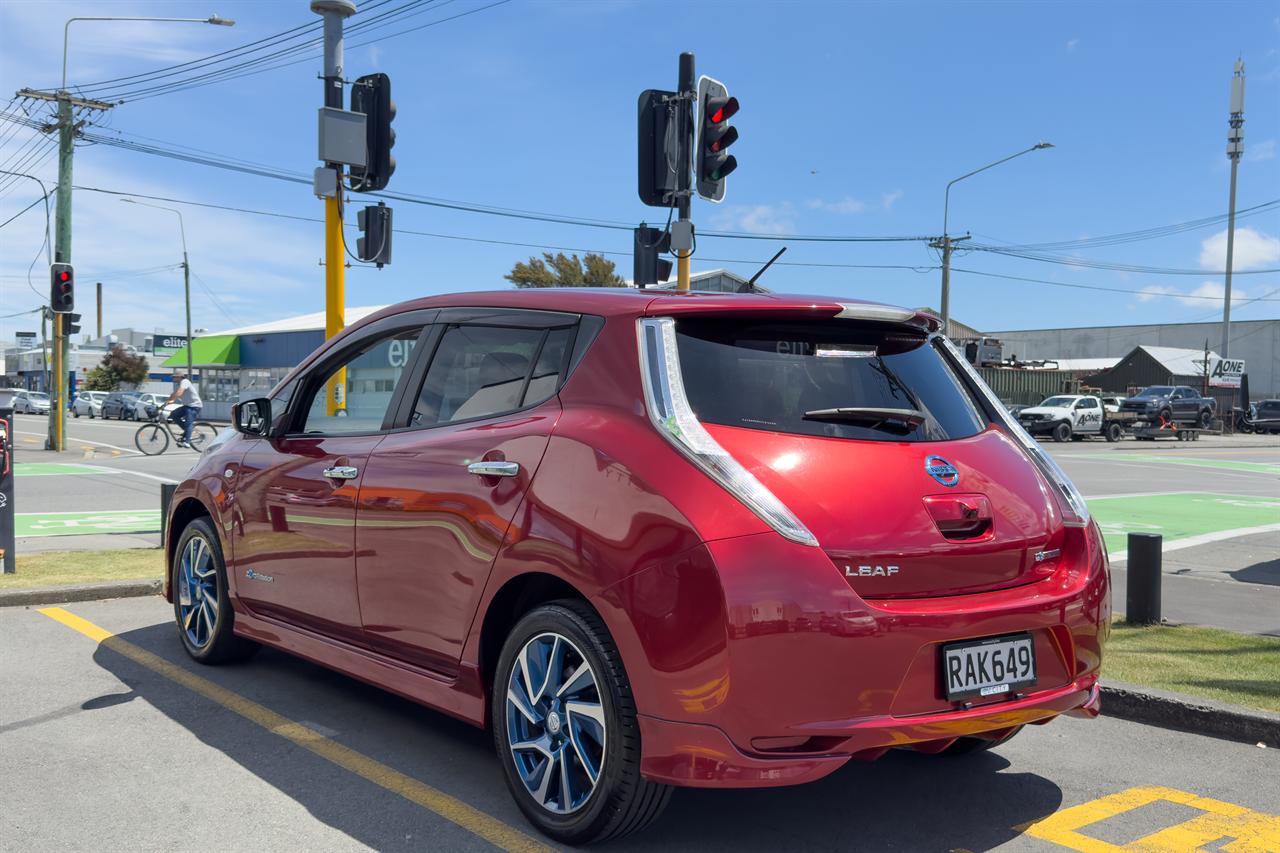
(120,743)
(1216,502)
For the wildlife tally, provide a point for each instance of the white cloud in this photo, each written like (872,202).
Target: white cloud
(1071,45)
(756,218)
(1201,297)
(1253,250)
(887,200)
(846,205)
(1259,151)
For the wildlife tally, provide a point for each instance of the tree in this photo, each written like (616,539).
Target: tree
(118,367)
(561,271)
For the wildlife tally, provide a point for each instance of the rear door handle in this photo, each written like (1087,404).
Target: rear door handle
(342,472)
(494,469)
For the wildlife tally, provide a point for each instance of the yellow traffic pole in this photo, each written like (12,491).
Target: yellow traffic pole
(682,271)
(334,296)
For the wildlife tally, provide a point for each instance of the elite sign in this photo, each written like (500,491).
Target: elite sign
(1225,372)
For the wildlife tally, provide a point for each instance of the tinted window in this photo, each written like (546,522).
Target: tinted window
(366,379)
(479,371)
(780,377)
(1087,403)
(1156,391)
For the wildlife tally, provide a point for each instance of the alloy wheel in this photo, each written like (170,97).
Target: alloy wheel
(198,592)
(555,723)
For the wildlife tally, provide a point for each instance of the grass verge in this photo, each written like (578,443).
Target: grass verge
(1243,669)
(59,568)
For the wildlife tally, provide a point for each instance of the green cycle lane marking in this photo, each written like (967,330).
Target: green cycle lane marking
(51,469)
(74,523)
(1223,464)
(1180,516)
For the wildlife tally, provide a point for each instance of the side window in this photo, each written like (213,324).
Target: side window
(479,371)
(354,395)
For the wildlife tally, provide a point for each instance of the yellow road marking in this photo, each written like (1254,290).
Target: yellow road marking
(1250,831)
(450,808)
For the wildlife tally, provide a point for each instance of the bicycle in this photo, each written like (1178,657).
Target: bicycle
(152,438)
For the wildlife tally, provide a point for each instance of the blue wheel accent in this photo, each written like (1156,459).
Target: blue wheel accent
(555,723)
(198,592)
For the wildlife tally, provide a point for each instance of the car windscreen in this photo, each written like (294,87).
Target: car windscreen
(823,378)
(1155,391)
(1058,402)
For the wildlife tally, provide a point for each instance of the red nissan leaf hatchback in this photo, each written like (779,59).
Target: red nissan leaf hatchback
(652,539)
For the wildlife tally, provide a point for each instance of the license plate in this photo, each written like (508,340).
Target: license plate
(989,667)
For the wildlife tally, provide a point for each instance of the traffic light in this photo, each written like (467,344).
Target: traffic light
(659,146)
(715,135)
(371,95)
(375,224)
(62,287)
(71,325)
(649,268)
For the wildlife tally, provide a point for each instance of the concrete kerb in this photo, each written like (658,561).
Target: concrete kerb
(1184,713)
(41,596)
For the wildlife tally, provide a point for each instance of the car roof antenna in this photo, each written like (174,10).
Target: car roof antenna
(751,285)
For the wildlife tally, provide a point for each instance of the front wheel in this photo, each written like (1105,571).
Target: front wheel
(151,439)
(1206,419)
(1062,432)
(201,603)
(564,724)
(202,433)
(75,413)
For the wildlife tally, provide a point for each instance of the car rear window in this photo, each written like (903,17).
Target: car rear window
(767,376)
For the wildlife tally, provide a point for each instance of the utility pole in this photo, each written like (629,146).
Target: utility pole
(945,242)
(334,13)
(100,312)
(1235,148)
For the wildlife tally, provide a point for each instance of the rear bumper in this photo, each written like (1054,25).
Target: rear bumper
(695,755)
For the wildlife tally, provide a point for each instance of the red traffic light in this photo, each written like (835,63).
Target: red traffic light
(724,111)
(63,275)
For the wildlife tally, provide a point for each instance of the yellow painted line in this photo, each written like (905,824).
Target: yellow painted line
(1250,831)
(450,808)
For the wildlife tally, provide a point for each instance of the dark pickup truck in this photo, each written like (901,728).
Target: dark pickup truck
(1171,403)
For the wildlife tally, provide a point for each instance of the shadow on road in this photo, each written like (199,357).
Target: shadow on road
(905,801)
(1267,572)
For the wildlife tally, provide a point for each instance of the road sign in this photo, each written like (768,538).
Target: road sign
(1225,372)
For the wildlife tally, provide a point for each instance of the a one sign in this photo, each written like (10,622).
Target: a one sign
(1225,372)
(168,344)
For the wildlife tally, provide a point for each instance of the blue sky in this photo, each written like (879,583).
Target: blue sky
(854,117)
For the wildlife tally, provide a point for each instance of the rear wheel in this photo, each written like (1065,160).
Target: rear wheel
(201,603)
(564,724)
(971,745)
(1062,432)
(151,439)
(1114,432)
(202,432)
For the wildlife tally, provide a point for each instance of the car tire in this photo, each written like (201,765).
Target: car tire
(1114,432)
(75,413)
(207,631)
(619,800)
(1205,419)
(973,745)
(1062,432)
(1165,416)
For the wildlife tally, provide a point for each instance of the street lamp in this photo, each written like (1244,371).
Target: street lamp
(945,242)
(66,30)
(186,270)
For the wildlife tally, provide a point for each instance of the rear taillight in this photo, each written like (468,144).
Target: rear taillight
(1075,512)
(670,412)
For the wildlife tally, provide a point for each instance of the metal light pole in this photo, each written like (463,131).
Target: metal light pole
(1235,148)
(62,245)
(186,272)
(946,241)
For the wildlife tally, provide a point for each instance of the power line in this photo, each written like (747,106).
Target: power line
(1152,294)
(1106,265)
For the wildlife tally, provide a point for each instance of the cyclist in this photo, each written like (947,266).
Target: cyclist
(188,398)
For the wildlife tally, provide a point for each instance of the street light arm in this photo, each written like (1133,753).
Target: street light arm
(66,30)
(946,200)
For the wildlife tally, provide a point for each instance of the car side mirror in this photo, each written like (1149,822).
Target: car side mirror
(252,417)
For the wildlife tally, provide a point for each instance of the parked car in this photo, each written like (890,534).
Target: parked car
(31,402)
(119,405)
(595,521)
(1070,416)
(147,405)
(1172,403)
(1263,417)
(88,403)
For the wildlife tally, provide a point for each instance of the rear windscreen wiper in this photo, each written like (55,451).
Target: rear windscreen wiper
(904,419)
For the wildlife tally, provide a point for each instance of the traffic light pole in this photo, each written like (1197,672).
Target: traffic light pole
(687,86)
(334,13)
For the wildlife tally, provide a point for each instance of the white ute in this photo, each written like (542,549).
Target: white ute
(1068,416)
